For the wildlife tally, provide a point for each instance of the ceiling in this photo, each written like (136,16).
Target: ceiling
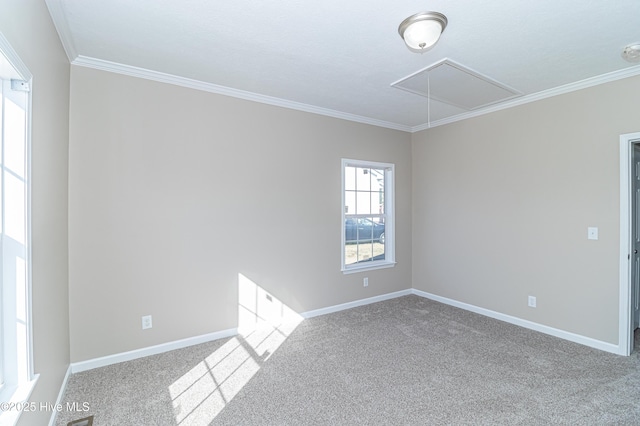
(340,58)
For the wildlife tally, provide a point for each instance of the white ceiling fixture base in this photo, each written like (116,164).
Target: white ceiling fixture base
(631,53)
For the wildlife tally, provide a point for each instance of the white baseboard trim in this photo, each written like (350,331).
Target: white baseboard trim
(90,364)
(77,367)
(63,388)
(566,335)
(356,303)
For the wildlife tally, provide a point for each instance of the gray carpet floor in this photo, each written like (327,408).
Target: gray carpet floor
(405,361)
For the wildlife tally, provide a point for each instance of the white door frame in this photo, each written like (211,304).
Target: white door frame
(625,337)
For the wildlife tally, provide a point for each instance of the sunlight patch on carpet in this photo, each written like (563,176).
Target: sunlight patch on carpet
(264,323)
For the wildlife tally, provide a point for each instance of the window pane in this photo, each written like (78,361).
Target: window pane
(363,202)
(14,282)
(21,316)
(365,229)
(371,229)
(14,137)
(349,202)
(365,216)
(377,203)
(364,252)
(363,179)
(377,179)
(378,251)
(350,253)
(1,210)
(350,178)
(370,251)
(14,203)
(1,113)
(350,230)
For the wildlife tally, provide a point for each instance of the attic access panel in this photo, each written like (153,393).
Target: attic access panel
(449,82)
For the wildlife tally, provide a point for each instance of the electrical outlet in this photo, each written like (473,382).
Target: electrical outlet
(532,301)
(365,281)
(146,322)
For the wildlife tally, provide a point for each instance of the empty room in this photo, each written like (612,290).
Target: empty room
(277,213)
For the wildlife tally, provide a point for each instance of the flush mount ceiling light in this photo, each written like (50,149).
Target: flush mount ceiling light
(422,30)
(631,53)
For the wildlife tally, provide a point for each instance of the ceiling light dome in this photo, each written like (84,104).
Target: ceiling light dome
(631,53)
(422,30)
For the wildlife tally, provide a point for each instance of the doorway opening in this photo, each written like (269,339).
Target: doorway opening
(629,299)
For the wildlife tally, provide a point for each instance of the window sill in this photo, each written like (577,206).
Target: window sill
(369,267)
(14,400)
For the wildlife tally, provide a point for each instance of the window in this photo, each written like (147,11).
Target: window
(367,215)
(16,378)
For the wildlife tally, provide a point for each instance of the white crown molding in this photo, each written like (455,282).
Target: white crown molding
(228,91)
(161,77)
(59,19)
(560,90)
(7,51)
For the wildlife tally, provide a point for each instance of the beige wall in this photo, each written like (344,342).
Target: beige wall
(28,27)
(174,192)
(502,202)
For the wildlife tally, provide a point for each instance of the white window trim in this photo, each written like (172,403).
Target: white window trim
(389,208)
(19,393)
